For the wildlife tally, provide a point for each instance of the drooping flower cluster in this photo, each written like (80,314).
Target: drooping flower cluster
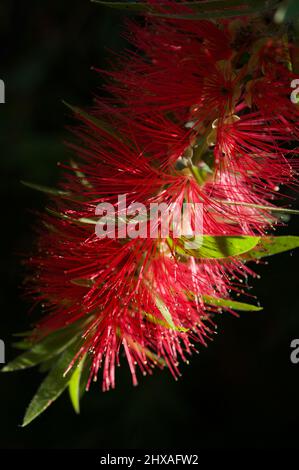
(198,112)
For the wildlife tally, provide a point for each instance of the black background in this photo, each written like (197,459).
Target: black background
(242,391)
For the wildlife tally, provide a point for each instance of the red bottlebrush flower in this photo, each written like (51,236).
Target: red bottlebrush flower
(189,122)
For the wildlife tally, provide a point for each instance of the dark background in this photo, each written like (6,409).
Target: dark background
(242,391)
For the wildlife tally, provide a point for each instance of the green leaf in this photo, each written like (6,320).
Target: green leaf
(74,385)
(52,387)
(280,210)
(288,11)
(219,247)
(22,345)
(47,348)
(219,9)
(157,321)
(201,174)
(166,315)
(42,351)
(95,121)
(82,282)
(85,374)
(81,220)
(46,189)
(45,366)
(165,312)
(23,334)
(202,9)
(133,6)
(227,303)
(80,175)
(269,246)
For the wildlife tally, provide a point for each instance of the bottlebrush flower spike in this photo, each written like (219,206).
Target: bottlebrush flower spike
(190,121)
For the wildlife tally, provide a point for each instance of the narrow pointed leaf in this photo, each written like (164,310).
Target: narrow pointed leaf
(46,189)
(221,9)
(47,365)
(167,316)
(74,386)
(47,348)
(282,210)
(132,6)
(165,312)
(288,11)
(157,321)
(84,181)
(50,346)
(23,334)
(232,304)
(93,120)
(202,9)
(81,220)
(269,246)
(85,374)
(83,282)
(52,387)
(210,247)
